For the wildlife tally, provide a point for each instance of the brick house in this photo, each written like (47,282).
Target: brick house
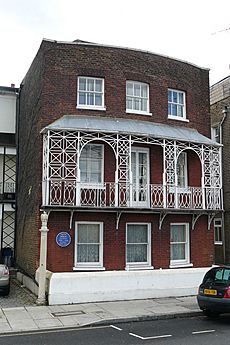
(220,122)
(114,144)
(8,100)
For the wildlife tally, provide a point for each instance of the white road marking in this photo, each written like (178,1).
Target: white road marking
(115,327)
(153,337)
(206,331)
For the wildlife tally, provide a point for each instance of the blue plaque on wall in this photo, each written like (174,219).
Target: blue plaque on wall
(63,239)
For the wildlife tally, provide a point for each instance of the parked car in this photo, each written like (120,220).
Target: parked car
(214,292)
(4,280)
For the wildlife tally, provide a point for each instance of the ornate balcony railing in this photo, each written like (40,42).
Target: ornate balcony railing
(9,187)
(124,195)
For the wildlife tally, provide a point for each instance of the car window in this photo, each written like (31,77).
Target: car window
(220,275)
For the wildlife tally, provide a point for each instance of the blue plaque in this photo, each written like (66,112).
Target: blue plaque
(63,239)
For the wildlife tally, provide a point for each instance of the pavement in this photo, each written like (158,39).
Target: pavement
(19,312)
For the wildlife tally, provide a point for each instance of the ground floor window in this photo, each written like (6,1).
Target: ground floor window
(218,231)
(179,244)
(89,245)
(138,245)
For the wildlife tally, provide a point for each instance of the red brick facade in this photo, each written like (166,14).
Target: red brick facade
(61,259)
(49,91)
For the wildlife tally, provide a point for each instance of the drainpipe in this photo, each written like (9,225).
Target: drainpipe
(41,300)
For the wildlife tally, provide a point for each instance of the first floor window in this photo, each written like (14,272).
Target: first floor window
(90,93)
(138,245)
(218,230)
(179,244)
(137,97)
(176,104)
(89,245)
(91,163)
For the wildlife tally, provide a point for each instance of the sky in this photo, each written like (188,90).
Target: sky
(197,31)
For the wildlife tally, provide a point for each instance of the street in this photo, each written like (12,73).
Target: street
(189,331)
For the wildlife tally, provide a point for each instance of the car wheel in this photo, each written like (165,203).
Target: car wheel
(6,291)
(211,314)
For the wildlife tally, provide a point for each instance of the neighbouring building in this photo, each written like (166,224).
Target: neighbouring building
(220,122)
(8,101)
(114,144)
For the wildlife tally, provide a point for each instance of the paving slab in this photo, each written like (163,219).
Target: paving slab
(31,317)
(23,325)
(48,323)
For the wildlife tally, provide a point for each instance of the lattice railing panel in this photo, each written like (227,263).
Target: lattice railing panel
(169,162)
(8,225)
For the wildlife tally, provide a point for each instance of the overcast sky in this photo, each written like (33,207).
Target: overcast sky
(197,31)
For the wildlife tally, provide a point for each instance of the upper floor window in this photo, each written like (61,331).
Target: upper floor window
(176,104)
(90,93)
(215,133)
(91,163)
(218,231)
(137,97)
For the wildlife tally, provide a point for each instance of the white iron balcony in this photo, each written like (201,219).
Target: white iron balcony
(7,187)
(124,195)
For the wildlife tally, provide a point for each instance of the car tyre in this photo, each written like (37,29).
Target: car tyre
(6,291)
(211,314)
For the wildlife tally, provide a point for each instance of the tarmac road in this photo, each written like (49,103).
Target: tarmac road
(189,331)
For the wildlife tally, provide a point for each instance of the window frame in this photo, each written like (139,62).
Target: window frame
(185,168)
(182,262)
(94,184)
(219,228)
(89,265)
(184,115)
(139,265)
(134,111)
(215,134)
(88,106)
(136,150)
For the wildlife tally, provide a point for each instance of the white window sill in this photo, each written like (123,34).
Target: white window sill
(138,112)
(219,243)
(88,268)
(136,268)
(177,118)
(180,265)
(88,107)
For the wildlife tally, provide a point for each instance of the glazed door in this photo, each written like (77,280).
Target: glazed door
(140,177)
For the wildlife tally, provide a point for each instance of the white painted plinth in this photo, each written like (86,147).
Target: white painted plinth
(81,287)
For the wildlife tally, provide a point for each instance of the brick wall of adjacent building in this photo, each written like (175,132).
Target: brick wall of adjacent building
(49,91)
(29,148)
(216,118)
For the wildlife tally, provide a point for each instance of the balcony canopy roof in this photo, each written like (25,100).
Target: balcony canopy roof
(127,126)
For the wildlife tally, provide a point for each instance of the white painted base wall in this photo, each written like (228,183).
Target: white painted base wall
(77,287)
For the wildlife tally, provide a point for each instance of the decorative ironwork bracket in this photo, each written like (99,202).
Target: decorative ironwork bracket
(211,216)
(195,218)
(161,219)
(118,219)
(71,219)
